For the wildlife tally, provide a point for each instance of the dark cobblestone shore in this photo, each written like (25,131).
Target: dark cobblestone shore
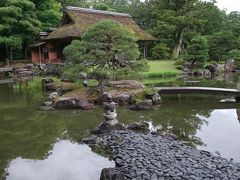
(146,156)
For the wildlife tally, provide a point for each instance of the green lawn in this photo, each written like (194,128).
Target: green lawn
(158,80)
(162,68)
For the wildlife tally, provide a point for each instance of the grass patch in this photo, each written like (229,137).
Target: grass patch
(150,81)
(162,68)
(32,85)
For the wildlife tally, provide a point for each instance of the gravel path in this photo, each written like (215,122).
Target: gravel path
(142,156)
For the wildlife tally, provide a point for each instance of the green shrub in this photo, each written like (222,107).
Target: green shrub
(150,90)
(180,62)
(105,50)
(161,51)
(234,54)
(33,85)
(197,50)
(180,67)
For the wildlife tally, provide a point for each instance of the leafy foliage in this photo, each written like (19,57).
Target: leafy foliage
(107,50)
(174,23)
(21,20)
(103,7)
(221,43)
(48,12)
(160,51)
(234,54)
(80,3)
(197,51)
(233,23)
(18,24)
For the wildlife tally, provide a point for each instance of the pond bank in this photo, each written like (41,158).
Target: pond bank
(149,156)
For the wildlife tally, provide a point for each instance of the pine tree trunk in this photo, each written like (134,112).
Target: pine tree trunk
(178,43)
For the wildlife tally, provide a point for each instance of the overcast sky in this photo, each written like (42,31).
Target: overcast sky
(230,5)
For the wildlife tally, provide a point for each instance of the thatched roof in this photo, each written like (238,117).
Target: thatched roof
(77,20)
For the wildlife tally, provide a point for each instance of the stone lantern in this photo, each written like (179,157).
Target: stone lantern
(110,113)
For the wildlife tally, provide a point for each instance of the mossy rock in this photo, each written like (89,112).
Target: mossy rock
(58,86)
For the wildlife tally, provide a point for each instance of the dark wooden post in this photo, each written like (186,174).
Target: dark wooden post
(144,50)
(40,55)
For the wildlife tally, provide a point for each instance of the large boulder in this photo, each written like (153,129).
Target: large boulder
(53,96)
(67,103)
(144,105)
(53,69)
(123,92)
(229,66)
(156,99)
(61,87)
(111,174)
(122,99)
(50,87)
(213,68)
(85,105)
(206,73)
(29,66)
(47,81)
(139,126)
(106,127)
(25,73)
(123,84)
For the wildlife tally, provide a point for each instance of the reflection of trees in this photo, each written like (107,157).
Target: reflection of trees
(27,133)
(184,122)
(180,118)
(79,123)
(30,133)
(224,80)
(24,131)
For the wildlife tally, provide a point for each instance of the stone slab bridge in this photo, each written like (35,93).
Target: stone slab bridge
(200,90)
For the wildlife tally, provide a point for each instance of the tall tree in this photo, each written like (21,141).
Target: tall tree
(107,50)
(197,50)
(233,23)
(18,25)
(79,3)
(175,17)
(49,12)
(221,43)
(212,18)
(103,7)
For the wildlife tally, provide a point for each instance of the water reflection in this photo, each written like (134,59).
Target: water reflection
(227,80)
(29,133)
(212,126)
(67,161)
(221,133)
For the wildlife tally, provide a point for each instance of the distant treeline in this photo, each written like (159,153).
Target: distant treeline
(175,23)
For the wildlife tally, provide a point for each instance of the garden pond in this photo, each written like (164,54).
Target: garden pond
(35,144)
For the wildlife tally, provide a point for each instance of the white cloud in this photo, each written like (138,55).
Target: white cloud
(229,5)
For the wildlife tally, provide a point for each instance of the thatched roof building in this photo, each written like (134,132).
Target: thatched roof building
(74,23)
(77,20)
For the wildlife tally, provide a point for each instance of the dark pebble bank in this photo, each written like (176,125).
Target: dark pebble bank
(147,156)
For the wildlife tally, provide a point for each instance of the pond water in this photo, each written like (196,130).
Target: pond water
(37,144)
(67,160)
